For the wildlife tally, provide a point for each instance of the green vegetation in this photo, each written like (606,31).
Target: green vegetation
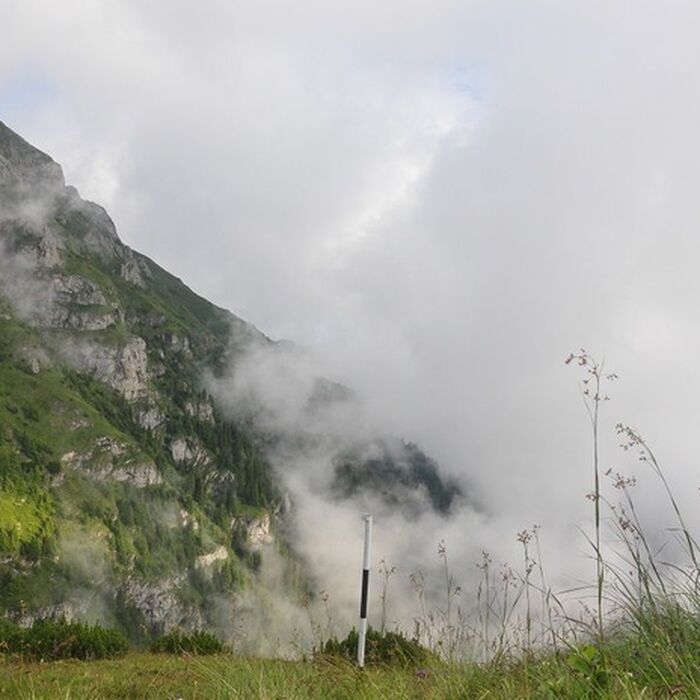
(388,648)
(187,309)
(578,674)
(655,657)
(25,520)
(398,467)
(178,642)
(58,639)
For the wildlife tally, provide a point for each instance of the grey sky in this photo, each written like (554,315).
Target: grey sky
(442,200)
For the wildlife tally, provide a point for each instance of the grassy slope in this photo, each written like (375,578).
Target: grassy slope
(51,412)
(21,515)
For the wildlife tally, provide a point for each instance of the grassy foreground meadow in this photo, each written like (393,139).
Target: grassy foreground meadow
(629,671)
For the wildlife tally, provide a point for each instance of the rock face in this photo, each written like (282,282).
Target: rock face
(43,250)
(201,410)
(180,344)
(109,460)
(132,272)
(151,418)
(74,303)
(139,475)
(23,166)
(54,300)
(159,604)
(204,561)
(189,451)
(123,367)
(260,531)
(99,235)
(77,290)
(66,610)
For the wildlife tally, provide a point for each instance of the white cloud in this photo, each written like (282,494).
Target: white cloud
(443,200)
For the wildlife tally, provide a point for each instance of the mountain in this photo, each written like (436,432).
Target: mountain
(128,493)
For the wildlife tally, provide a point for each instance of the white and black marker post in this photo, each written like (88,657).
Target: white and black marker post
(365,591)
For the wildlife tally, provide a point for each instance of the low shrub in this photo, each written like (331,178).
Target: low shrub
(178,642)
(9,635)
(59,639)
(390,648)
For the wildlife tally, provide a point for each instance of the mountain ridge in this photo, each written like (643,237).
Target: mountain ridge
(128,493)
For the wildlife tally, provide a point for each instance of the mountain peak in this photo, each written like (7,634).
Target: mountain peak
(22,163)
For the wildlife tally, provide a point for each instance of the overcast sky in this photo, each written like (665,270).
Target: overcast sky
(440,199)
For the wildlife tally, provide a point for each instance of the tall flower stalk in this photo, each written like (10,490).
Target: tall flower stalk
(591,389)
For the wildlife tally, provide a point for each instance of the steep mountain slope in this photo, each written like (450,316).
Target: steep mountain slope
(126,493)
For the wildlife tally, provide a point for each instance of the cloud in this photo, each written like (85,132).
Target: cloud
(441,202)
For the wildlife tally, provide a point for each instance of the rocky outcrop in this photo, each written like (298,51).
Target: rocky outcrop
(201,410)
(180,344)
(74,289)
(44,296)
(23,166)
(65,610)
(151,418)
(123,367)
(188,520)
(75,303)
(48,250)
(258,530)
(41,248)
(108,460)
(189,451)
(204,561)
(36,358)
(132,270)
(159,603)
(140,474)
(98,235)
